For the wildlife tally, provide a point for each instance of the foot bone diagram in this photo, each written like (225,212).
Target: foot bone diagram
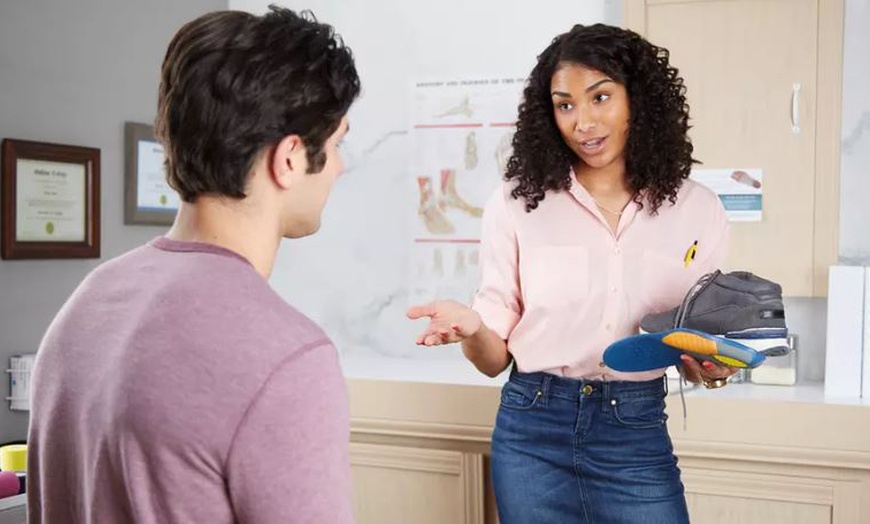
(450,198)
(470,151)
(429,211)
(464,108)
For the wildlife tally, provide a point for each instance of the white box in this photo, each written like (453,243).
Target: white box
(865,376)
(845,333)
(20,368)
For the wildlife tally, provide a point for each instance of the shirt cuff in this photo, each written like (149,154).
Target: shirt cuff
(497,317)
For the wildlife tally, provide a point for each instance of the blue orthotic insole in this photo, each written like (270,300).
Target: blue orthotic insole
(663,349)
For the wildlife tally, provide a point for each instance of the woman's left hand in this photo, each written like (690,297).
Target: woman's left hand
(707,373)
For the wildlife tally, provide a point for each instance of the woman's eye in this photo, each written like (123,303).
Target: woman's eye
(565,106)
(601,97)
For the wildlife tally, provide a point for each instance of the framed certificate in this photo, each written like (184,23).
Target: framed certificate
(148,198)
(50,201)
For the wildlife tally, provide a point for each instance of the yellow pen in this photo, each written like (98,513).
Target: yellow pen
(690,254)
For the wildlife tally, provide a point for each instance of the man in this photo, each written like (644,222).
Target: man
(175,385)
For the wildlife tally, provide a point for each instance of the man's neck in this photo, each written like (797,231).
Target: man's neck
(230,225)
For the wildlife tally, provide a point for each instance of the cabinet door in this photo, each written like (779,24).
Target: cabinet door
(721,491)
(750,67)
(732,496)
(398,484)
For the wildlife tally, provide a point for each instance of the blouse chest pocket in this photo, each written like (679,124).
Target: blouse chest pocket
(665,280)
(554,275)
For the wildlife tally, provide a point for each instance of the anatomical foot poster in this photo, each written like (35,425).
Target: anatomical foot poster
(461,137)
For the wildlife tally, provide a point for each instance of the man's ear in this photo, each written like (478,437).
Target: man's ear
(288,161)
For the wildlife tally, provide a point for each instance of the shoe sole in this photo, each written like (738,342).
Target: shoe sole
(746,334)
(758,333)
(762,344)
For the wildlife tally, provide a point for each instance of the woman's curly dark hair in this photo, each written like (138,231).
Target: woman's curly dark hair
(658,152)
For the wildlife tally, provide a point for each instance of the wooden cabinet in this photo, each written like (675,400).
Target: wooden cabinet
(731,492)
(398,483)
(420,454)
(747,458)
(764,88)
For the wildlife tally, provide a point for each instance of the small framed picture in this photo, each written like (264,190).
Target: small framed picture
(148,198)
(50,201)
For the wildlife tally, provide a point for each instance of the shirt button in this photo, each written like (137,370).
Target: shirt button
(608,327)
(602,364)
(617,251)
(614,289)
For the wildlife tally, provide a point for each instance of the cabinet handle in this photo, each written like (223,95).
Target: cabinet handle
(795,114)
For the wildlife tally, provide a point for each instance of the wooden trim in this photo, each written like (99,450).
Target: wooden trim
(422,430)
(427,410)
(847,504)
(405,458)
(827,458)
(634,15)
(665,2)
(829,103)
(472,487)
(759,486)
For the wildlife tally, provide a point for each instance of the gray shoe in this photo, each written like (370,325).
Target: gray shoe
(737,305)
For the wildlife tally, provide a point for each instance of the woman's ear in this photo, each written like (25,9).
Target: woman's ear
(288,161)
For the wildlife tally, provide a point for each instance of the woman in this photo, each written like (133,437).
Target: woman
(589,232)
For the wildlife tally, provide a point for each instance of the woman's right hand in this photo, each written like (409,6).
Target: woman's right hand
(449,322)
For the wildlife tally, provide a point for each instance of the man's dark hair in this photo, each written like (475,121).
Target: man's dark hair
(233,83)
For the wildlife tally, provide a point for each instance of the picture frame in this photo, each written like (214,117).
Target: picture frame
(148,198)
(50,204)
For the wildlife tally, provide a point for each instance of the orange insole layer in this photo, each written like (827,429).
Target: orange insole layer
(691,342)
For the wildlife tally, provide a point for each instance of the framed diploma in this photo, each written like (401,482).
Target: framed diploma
(148,199)
(50,201)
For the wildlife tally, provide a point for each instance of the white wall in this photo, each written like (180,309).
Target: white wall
(352,276)
(855,145)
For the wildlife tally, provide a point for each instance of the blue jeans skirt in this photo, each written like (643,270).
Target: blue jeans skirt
(592,452)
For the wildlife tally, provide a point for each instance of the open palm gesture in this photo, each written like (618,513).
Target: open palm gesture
(449,322)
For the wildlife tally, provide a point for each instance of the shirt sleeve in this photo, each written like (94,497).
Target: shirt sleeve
(714,251)
(498,297)
(289,460)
